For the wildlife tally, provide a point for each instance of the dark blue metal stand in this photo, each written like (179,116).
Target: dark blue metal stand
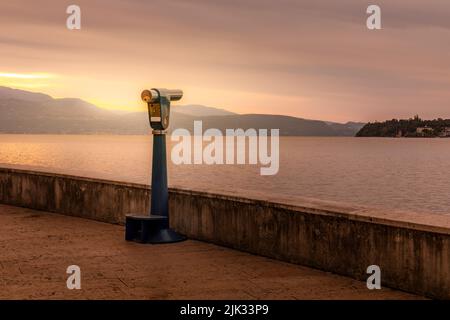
(160,193)
(155,227)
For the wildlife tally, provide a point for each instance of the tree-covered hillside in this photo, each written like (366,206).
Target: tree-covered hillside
(405,128)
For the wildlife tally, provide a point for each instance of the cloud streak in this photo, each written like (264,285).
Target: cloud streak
(30,76)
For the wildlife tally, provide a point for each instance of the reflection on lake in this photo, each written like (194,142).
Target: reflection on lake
(407,174)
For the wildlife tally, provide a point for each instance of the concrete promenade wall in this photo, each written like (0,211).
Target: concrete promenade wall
(412,250)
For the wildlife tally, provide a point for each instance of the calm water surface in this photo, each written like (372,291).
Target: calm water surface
(406,174)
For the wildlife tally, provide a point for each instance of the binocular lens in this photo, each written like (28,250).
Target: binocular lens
(149,95)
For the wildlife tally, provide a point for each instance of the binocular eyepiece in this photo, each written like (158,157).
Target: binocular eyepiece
(154,95)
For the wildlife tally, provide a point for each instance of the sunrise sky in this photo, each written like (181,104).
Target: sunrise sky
(311,59)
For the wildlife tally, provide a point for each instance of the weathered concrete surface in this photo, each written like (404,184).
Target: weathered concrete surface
(36,248)
(412,250)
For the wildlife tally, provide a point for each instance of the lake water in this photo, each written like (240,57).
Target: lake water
(405,174)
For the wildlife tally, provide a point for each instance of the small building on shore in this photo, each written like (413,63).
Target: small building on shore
(423,131)
(445,133)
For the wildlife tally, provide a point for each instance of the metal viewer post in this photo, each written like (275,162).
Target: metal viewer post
(155,228)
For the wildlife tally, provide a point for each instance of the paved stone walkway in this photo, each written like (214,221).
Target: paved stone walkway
(36,248)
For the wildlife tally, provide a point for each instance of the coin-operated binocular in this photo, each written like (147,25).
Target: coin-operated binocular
(154,228)
(158,101)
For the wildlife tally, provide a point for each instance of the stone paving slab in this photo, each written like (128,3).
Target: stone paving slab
(36,247)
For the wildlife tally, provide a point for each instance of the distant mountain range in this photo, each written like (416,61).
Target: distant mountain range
(36,113)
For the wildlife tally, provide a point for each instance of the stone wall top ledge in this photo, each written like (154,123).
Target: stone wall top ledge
(411,220)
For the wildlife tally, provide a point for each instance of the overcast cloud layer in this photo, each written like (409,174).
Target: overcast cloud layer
(312,59)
